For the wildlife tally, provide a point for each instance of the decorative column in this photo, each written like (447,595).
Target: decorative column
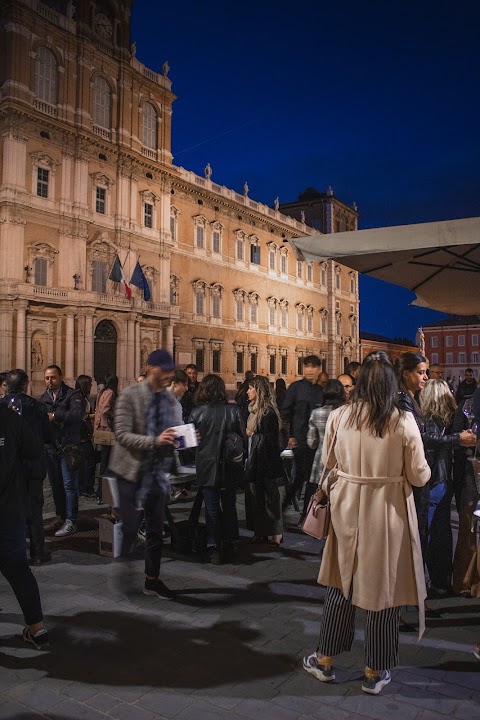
(137,348)
(169,336)
(69,372)
(131,348)
(20,358)
(89,314)
(80,349)
(6,334)
(58,342)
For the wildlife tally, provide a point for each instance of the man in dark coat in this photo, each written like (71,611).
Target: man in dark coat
(35,415)
(17,444)
(66,410)
(467,387)
(301,398)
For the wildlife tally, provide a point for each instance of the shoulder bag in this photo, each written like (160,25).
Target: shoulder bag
(317,519)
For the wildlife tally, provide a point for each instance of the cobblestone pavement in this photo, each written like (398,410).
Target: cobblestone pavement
(230,645)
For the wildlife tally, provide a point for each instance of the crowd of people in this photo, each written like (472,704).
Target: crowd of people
(402,446)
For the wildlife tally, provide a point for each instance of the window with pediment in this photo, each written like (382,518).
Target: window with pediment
(300,310)
(174,213)
(272,304)
(284,261)
(338,322)
(217,230)
(102,103)
(338,277)
(200,297)
(323,274)
(272,256)
(240,245)
(100,257)
(44,169)
(41,258)
(239,298)
(101,193)
(216,292)
(149,200)
(254,250)
(310,319)
(283,314)
(323,321)
(199,224)
(46,74)
(149,126)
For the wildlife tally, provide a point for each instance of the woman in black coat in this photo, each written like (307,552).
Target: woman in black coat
(264,465)
(214,419)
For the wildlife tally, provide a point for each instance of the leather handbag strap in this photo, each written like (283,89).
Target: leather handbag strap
(332,443)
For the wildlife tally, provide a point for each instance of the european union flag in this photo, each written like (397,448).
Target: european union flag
(139,280)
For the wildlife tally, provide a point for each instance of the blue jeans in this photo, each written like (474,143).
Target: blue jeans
(440,541)
(221,515)
(70,484)
(56,480)
(14,568)
(86,473)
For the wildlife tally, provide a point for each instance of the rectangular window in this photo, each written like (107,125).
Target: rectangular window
(42,182)
(352,286)
(299,319)
(462,358)
(283,264)
(271,316)
(99,276)
(324,324)
(216,306)
(434,358)
(254,312)
(200,359)
(474,339)
(271,259)
(300,365)
(449,341)
(41,271)
(309,272)
(216,365)
(239,310)
(273,364)
(461,341)
(284,317)
(148,215)
(323,275)
(173,226)
(100,200)
(309,323)
(299,269)
(240,362)
(284,364)
(253,362)
(339,327)
(216,241)
(200,237)
(338,280)
(200,303)
(434,341)
(255,254)
(475,356)
(240,245)
(449,358)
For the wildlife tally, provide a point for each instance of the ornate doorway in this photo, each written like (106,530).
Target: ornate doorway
(105,351)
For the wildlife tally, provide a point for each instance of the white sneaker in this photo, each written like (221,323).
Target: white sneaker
(324,673)
(67,528)
(374,685)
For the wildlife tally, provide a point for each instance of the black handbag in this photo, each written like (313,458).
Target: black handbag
(74,456)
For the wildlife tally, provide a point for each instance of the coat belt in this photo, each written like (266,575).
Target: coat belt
(370,481)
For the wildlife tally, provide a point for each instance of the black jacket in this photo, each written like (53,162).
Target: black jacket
(439,443)
(69,409)
(300,399)
(264,455)
(17,443)
(465,390)
(35,415)
(213,423)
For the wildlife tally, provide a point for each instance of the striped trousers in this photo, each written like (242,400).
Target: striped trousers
(338,629)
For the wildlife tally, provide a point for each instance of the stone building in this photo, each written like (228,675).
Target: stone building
(454,343)
(87,174)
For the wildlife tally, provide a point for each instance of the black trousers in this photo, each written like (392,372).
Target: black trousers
(304,457)
(14,568)
(35,517)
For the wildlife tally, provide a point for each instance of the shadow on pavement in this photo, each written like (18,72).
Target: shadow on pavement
(116,648)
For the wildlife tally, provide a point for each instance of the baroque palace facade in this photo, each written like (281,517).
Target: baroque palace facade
(87,174)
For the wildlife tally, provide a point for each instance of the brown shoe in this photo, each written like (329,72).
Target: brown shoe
(53,524)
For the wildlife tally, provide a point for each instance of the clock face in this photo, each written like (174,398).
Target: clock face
(103,25)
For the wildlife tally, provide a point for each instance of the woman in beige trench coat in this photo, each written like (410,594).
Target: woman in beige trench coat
(372,557)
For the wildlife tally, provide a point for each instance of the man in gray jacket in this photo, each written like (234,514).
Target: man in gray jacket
(145,414)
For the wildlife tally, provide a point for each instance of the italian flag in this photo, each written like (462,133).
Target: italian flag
(117,275)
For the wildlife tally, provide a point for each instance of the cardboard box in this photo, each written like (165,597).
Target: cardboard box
(109,536)
(110,492)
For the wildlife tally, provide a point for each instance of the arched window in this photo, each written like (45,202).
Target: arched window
(46,76)
(149,126)
(102,103)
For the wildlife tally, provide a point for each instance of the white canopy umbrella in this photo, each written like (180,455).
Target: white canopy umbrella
(439,261)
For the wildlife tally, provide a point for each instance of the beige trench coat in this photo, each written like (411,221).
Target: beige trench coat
(373,540)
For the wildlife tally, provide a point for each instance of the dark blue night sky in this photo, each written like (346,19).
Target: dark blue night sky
(378,99)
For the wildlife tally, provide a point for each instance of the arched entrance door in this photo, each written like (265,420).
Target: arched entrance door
(105,351)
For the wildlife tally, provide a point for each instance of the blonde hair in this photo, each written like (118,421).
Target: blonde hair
(264,401)
(436,400)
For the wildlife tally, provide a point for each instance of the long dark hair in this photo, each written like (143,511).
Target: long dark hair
(375,397)
(111,383)
(334,394)
(406,362)
(84,384)
(211,390)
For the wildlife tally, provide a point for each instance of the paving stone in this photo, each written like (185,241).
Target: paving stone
(467,710)
(102,702)
(79,691)
(34,695)
(165,703)
(423,697)
(262,710)
(379,707)
(204,711)
(130,712)
(72,710)
(11,710)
